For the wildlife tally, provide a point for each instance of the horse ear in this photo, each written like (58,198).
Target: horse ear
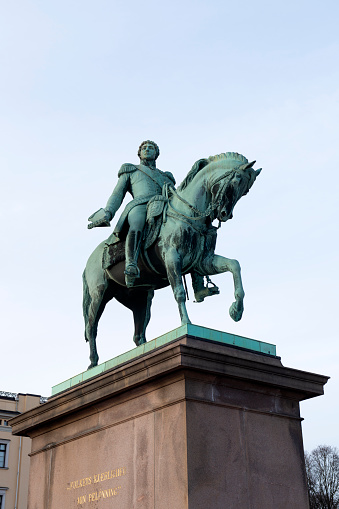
(258,171)
(246,165)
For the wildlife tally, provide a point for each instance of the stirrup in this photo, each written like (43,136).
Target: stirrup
(206,291)
(132,270)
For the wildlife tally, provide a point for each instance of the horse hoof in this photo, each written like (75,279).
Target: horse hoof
(139,340)
(93,364)
(236,311)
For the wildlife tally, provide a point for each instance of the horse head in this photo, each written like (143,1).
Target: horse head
(226,177)
(228,188)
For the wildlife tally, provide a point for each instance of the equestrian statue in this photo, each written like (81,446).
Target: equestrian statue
(163,234)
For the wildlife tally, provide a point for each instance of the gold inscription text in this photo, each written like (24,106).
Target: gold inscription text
(96,478)
(111,474)
(80,483)
(97,495)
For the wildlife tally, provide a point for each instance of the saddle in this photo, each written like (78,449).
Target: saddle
(114,250)
(156,216)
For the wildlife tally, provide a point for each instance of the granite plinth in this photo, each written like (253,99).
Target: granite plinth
(189,329)
(189,425)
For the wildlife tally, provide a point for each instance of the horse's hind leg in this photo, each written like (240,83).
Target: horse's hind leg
(139,302)
(142,314)
(95,297)
(219,264)
(174,267)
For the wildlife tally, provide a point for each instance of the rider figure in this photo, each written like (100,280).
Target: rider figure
(143,181)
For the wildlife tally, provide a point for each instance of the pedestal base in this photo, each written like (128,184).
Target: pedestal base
(191,424)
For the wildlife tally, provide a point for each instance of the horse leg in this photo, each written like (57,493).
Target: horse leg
(142,315)
(173,265)
(219,264)
(97,291)
(139,302)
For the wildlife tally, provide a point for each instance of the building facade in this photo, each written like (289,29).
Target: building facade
(14,451)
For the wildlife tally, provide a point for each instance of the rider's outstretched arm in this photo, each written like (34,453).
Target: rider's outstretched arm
(115,200)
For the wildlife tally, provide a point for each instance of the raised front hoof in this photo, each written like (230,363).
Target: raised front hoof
(139,340)
(236,311)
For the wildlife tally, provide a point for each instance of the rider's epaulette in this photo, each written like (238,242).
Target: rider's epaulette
(126,168)
(170,176)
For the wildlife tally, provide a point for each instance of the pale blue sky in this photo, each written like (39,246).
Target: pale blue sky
(83,83)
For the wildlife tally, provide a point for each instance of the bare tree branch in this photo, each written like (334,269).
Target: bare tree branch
(322,469)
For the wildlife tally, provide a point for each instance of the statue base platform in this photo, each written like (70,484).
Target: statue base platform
(193,423)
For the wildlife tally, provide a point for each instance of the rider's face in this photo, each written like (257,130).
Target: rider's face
(148,152)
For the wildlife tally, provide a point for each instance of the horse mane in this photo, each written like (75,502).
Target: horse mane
(201,163)
(197,166)
(231,156)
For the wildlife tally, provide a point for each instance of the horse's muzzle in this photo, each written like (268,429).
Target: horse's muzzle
(225,215)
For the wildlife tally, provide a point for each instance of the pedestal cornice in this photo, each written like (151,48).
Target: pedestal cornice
(182,357)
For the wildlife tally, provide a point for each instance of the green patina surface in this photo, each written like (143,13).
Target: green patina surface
(188,329)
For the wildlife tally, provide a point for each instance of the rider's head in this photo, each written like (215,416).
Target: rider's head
(148,150)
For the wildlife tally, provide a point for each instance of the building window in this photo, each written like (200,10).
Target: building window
(2,497)
(4,449)
(4,422)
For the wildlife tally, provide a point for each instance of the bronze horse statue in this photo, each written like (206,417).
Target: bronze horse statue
(183,243)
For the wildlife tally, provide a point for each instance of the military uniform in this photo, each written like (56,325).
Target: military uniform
(142,182)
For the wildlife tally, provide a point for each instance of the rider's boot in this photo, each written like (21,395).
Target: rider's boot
(200,290)
(132,248)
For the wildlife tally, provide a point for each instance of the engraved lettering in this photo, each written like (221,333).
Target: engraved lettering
(79,484)
(106,492)
(97,495)
(106,476)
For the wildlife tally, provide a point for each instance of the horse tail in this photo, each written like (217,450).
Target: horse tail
(87,299)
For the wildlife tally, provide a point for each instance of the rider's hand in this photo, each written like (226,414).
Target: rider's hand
(109,215)
(101,217)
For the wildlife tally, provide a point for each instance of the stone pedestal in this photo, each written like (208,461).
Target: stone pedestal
(192,424)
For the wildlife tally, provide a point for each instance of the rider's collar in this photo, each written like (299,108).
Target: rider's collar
(149,164)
